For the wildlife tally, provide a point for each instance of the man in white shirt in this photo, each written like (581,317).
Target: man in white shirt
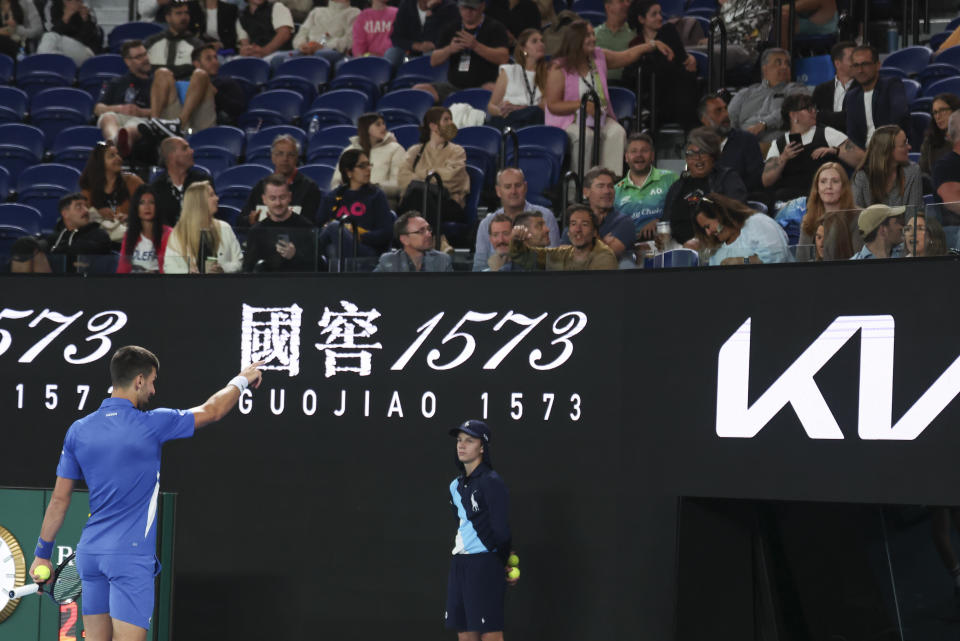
(873,101)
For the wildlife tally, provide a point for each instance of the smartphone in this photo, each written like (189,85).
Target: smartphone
(283,238)
(795,138)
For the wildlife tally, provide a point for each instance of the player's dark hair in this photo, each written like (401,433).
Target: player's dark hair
(130,361)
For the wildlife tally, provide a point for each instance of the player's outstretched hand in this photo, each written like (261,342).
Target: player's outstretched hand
(253,374)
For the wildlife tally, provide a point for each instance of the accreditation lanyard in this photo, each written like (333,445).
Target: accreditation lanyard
(593,81)
(530,90)
(464,64)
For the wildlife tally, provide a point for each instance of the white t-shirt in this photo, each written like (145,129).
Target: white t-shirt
(516,92)
(761,235)
(212,24)
(422,14)
(144,256)
(868,112)
(834,138)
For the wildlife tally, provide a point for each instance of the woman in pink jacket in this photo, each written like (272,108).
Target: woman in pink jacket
(372,29)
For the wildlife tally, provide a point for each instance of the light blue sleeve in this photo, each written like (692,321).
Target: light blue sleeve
(483,248)
(768,240)
(552,225)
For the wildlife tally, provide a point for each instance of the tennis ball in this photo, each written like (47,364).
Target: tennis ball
(41,573)
(514,573)
(513,561)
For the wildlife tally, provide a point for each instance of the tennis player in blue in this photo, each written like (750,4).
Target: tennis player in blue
(116,451)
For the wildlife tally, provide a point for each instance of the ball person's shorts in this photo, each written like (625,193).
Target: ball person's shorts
(121,585)
(475,591)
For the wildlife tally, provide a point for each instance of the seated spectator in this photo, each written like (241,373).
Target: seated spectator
(615,229)
(585,251)
(177,157)
(361,208)
(75,235)
(474,46)
(305,194)
(511,189)
(416,29)
(946,175)
(813,18)
(887,98)
(676,74)
(830,193)
(299,9)
(615,34)
(733,234)
(107,189)
(145,243)
(757,107)
(125,103)
(924,236)
(327,32)
(21,24)
(264,30)
(740,150)
(748,24)
(499,231)
(385,153)
(416,253)
(833,240)
(642,193)
(887,175)
(217,22)
(828,96)
(582,68)
(703,173)
(536,225)
(882,230)
(517,98)
(794,157)
(436,152)
(229,98)
(372,29)
(70,27)
(201,243)
(516,15)
(170,49)
(27,257)
(935,144)
(284,241)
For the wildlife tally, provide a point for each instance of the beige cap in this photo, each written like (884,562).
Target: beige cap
(874,216)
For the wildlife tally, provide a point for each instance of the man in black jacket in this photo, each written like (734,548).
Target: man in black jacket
(886,96)
(740,150)
(828,96)
(75,236)
(177,157)
(305,194)
(283,241)
(417,26)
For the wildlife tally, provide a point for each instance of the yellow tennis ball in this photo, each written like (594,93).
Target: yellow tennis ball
(513,561)
(41,573)
(514,573)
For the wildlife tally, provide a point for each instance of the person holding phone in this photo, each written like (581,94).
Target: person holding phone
(284,241)
(794,157)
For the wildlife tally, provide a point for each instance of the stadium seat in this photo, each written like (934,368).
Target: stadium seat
(6,69)
(307,75)
(325,154)
(892,72)
(338,107)
(131,31)
(937,39)
(704,21)
(482,160)
(482,137)
(912,89)
(228,214)
(72,146)
(45,70)
(952,25)
(537,174)
(552,163)
(4,184)
(949,56)
(320,174)
(922,103)
(13,104)
(945,85)
(418,70)
(251,73)
(919,122)
(624,104)
(99,70)
(579,6)
(369,74)
(458,234)
(259,144)
(672,8)
(20,146)
(335,135)
(9,235)
(596,18)
(552,138)
(407,135)
(702,63)
(42,186)
(911,60)
(23,216)
(274,107)
(476,98)
(235,183)
(55,109)
(404,107)
(936,71)
(217,148)
(914,156)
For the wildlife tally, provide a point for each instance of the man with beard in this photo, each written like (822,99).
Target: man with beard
(614,228)
(283,241)
(500,229)
(739,149)
(882,229)
(643,191)
(585,251)
(873,101)
(416,253)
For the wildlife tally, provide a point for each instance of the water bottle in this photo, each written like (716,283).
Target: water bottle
(129,95)
(255,128)
(313,128)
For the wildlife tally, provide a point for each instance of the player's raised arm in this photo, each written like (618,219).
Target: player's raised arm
(220,404)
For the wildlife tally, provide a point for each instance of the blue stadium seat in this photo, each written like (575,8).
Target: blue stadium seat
(131,31)
(404,107)
(936,71)
(274,107)
(72,146)
(702,63)
(228,214)
(551,162)
(42,186)
(335,135)
(912,88)
(459,233)
(258,145)
(892,72)
(937,39)
(57,108)
(672,8)
(914,156)
(579,6)
(20,146)
(13,104)
(537,174)
(703,20)
(9,235)
(324,154)
(369,74)
(251,73)
(23,216)
(99,70)
(552,138)
(949,56)
(923,103)
(482,160)
(407,135)
(338,107)
(919,122)
(483,137)
(235,183)
(307,75)
(6,69)
(952,25)
(946,85)
(702,5)
(320,174)
(418,70)
(911,60)
(624,103)
(4,184)
(44,70)
(217,148)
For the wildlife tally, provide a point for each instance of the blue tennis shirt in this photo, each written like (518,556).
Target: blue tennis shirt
(116,450)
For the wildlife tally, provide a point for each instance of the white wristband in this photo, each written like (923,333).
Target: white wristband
(240,382)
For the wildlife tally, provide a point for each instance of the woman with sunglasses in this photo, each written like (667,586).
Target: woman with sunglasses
(731,233)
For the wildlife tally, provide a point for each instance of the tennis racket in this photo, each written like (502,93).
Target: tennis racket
(62,587)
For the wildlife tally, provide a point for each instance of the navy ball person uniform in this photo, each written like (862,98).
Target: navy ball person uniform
(476,585)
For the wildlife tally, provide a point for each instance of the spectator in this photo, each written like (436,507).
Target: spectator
(372,29)
(264,30)
(946,175)
(107,189)
(828,96)
(170,49)
(733,234)
(886,174)
(830,193)
(835,226)
(21,24)
(886,96)
(70,28)
(935,143)
(229,98)
(581,68)
(436,152)
(675,74)
(511,189)
(613,228)
(882,229)
(416,253)
(794,157)
(299,9)
(284,241)
(642,193)
(516,15)
(748,24)
(923,237)
(217,22)
(616,33)
(361,208)
(169,187)
(125,102)
(201,243)
(517,98)
(757,107)
(416,29)
(813,18)
(145,243)
(327,32)
(385,153)
(27,257)
(75,235)
(740,150)
(474,46)
(703,173)
(305,194)
(585,251)
(534,222)
(499,230)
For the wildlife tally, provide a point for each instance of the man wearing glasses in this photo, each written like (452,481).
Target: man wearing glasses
(882,229)
(873,101)
(416,253)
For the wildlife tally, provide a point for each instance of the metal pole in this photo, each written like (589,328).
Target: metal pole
(791,24)
(564,198)
(426,192)
(590,95)
(508,131)
(716,24)
(637,125)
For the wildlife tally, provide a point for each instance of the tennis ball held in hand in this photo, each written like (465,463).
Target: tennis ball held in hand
(513,561)
(514,573)
(41,573)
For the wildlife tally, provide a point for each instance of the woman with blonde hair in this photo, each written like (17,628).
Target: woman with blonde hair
(517,98)
(886,175)
(199,242)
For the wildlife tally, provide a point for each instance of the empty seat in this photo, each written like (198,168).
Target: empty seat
(13,104)
(44,70)
(99,70)
(22,216)
(274,107)
(320,174)
(42,186)
(624,104)
(131,31)
(53,110)
(368,74)
(305,75)
(418,70)
(476,98)
(910,60)
(217,148)
(72,146)
(946,85)
(404,106)
(4,184)
(912,88)
(949,56)
(338,107)
(537,174)
(596,18)
(935,71)
(8,236)
(407,135)
(235,183)
(251,73)
(6,69)
(228,214)
(20,146)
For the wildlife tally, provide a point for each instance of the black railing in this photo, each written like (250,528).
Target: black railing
(592,97)
(717,24)
(356,240)
(565,198)
(509,132)
(438,231)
